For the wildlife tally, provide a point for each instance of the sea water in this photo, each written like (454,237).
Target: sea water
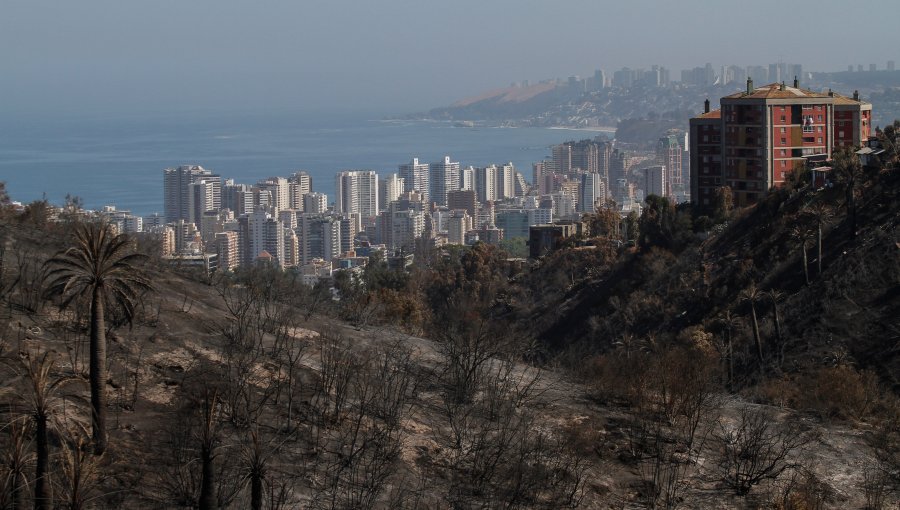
(119,159)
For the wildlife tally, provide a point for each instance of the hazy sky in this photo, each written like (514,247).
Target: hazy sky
(394,55)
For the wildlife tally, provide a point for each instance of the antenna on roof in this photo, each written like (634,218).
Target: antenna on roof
(749,85)
(706,106)
(796,82)
(856,95)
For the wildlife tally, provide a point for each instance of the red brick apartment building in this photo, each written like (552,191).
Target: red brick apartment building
(761,135)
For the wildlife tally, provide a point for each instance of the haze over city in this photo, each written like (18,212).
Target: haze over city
(390,57)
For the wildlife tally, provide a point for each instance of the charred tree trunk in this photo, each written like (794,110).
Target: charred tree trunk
(98,371)
(756,337)
(43,497)
(207,484)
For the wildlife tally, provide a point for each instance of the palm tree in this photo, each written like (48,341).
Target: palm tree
(802,235)
(776,295)
(45,403)
(752,294)
(820,214)
(103,266)
(729,322)
(16,459)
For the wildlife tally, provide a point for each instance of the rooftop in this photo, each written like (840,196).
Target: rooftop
(777,91)
(715,114)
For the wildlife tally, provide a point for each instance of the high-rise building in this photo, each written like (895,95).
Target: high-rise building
(416,178)
(406,227)
(513,222)
(299,184)
(350,226)
(467,178)
(655,181)
(668,155)
(237,198)
(204,195)
(444,177)
(228,250)
(356,192)
(319,237)
(462,199)
(291,248)
(177,190)
(562,158)
(280,190)
(486,183)
(389,189)
(315,203)
(592,192)
(506,181)
(761,135)
(457,225)
(265,234)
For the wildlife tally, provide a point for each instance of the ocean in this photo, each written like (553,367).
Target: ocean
(119,159)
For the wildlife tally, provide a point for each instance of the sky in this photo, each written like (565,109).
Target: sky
(393,56)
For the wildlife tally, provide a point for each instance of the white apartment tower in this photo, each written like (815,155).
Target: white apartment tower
(506,181)
(299,184)
(356,192)
(457,225)
(265,234)
(315,203)
(444,178)
(415,178)
(389,190)
(280,190)
(467,178)
(486,184)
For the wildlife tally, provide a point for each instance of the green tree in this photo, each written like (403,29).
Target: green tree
(103,267)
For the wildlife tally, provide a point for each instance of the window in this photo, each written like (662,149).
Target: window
(783,130)
(705,138)
(784,141)
(783,163)
(820,139)
(840,134)
(782,118)
(784,152)
(819,129)
(820,118)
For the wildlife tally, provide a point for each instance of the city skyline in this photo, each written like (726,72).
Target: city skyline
(105,56)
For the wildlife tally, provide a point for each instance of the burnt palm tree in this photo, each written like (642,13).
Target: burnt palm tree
(16,460)
(729,322)
(821,215)
(801,234)
(752,295)
(44,401)
(102,266)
